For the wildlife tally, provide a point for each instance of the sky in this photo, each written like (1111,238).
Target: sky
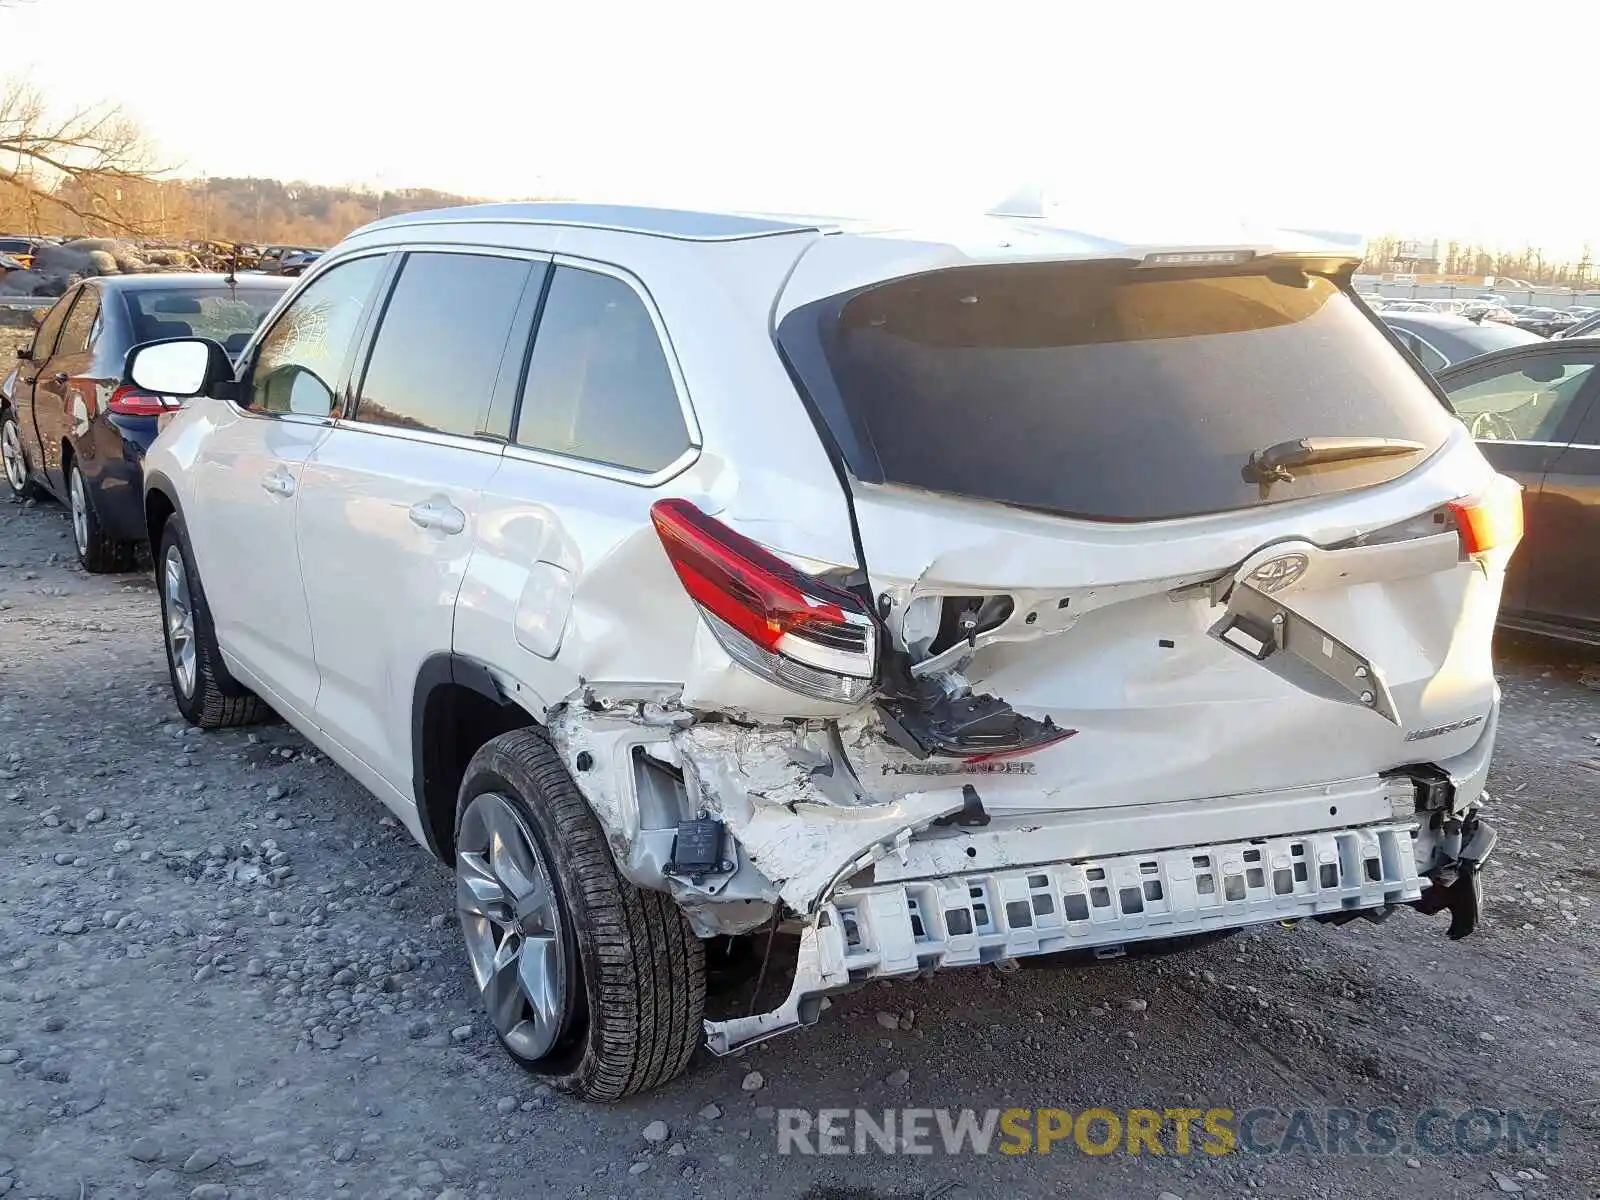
(1460,119)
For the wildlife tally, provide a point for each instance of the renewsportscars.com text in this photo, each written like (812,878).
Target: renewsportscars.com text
(1166,1131)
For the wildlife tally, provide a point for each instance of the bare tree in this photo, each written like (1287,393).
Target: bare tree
(77,163)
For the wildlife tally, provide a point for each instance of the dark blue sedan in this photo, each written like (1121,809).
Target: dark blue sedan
(70,427)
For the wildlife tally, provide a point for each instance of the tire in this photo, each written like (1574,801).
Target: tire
(624,1009)
(205,693)
(13,459)
(98,551)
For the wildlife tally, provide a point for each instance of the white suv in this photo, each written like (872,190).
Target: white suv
(936,597)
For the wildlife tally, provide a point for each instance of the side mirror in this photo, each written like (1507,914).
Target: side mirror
(180,367)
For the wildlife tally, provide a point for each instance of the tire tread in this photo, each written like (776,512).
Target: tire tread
(106,555)
(643,968)
(219,701)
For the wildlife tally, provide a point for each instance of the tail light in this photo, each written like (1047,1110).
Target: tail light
(789,627)
(129,401)
(1492,521)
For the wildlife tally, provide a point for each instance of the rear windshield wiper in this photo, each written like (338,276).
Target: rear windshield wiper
(1273,464)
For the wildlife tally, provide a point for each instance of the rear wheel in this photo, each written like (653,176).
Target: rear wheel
(207,695)
(98,551)
(12,459)
(588,980)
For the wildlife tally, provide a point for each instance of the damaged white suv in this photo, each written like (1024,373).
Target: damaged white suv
(936,597)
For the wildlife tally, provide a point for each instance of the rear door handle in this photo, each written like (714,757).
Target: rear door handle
(278,483)
(438,514)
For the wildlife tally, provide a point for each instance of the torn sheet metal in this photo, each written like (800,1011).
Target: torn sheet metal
(601,746)
(788,797)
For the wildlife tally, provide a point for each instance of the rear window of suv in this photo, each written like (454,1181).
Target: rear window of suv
(1104,390)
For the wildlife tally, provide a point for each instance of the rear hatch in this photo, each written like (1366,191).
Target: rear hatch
(1158,532)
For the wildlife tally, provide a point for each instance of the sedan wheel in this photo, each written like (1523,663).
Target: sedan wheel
(80,511)
(180,617)
(16,467)
(513,926)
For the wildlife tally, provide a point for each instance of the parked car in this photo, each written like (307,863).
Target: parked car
(1407,306)
(1535,411)
(19,248)
(72,428)
(297,262)
(675,574)
(1438,339)
(1587,327)
(273,259)
(1543,321)
(1500,316)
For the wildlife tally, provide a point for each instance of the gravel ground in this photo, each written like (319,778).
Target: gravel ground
(225,972)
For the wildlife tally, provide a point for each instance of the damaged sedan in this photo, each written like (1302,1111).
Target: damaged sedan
(929,597)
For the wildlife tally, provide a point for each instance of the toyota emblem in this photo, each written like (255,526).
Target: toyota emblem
(1278,573)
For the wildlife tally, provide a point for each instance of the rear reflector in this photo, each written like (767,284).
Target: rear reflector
(765,611)
(129,401)
(1492,521)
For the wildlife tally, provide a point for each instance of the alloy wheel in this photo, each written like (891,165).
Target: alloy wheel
(11,452)
(513,926)
(80,511)
(180,620)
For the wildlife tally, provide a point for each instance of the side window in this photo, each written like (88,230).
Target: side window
(44,341)
(598,383)
(299,363)
(1525,400)
(439,346)
(1430,357)
(1426,354)
(80,326)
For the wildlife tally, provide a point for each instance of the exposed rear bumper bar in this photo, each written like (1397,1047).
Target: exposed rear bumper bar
(901,928)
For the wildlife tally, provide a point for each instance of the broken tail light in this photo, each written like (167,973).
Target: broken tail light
(1492,521)
(789,627)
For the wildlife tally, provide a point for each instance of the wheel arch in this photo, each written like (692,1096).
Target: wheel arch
(456,707)
(160,506)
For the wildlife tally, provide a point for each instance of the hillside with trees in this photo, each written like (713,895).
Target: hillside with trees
(92,172)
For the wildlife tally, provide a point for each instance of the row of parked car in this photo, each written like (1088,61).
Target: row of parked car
(1577,320)
(681,575)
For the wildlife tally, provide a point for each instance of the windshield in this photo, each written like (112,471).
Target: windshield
(229,317)
(1103,390)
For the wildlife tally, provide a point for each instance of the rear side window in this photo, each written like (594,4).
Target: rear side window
(1105,391)
(440,342)
(44,341)
(1426,354)
(80,328)
(598,386)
